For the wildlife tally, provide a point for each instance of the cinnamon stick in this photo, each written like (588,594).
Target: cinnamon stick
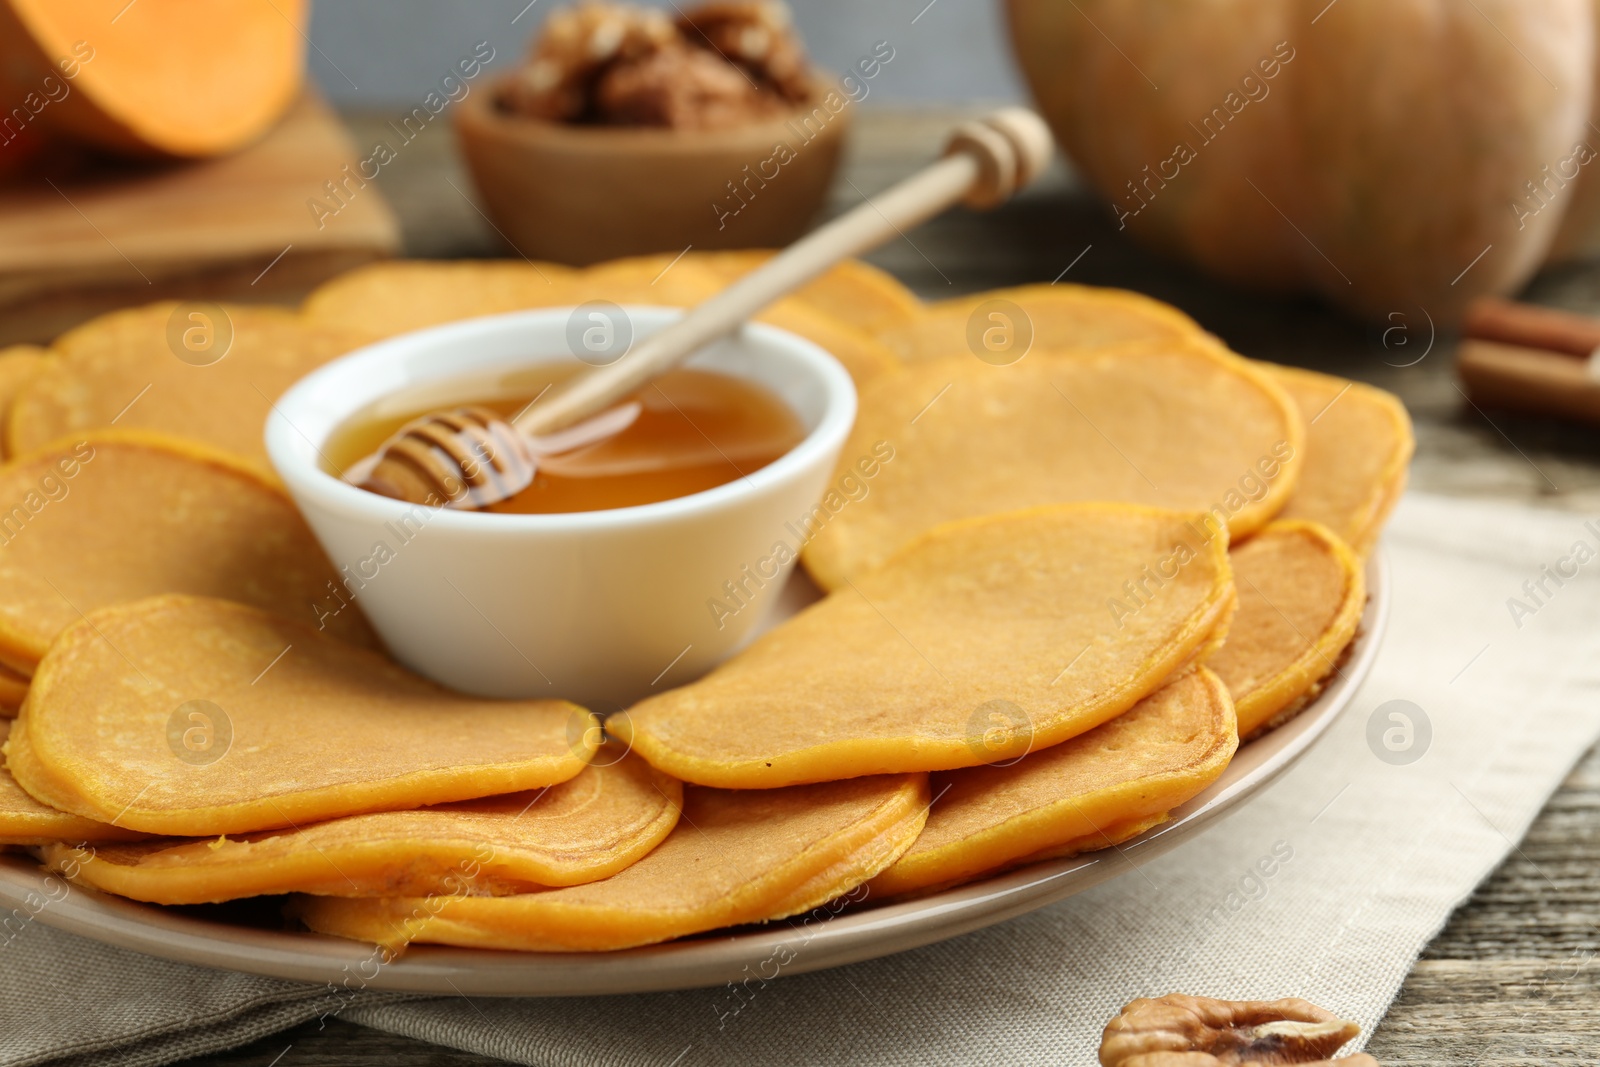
(1532,380)
(1531,326)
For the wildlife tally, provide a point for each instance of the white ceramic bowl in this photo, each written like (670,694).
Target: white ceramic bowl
(599,607)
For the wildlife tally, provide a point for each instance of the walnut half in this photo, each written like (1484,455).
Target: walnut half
(726,63)
(1183,1031)
(756,34)
(575,48)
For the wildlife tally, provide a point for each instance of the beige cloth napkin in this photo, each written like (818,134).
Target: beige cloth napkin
(1326,887)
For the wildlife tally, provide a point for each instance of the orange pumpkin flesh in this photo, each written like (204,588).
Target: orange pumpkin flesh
(188,78)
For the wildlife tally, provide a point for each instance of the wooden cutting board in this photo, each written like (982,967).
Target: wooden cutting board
(76,241)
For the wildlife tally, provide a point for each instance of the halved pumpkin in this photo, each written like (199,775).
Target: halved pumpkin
(188,78)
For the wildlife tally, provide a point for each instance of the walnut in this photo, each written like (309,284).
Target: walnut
(577,46)
(1183,1031)
(725,63)
(680,87)
(759,36)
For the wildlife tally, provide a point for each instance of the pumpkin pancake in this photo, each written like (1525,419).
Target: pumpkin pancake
(1060,318)
(25,821)
(980,640)
(385,299)
(13,690)
(116,516)
(1183,425)
(1358,443)
(1110,835)
(1301,594)
(734,858)
(434,293)
(861,354)
(1091,792)
(17,364)
(852,292)
(655,279)
(123,368)
(662,280)
(189,716)
(581,830)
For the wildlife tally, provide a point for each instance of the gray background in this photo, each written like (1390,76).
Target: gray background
(382,53)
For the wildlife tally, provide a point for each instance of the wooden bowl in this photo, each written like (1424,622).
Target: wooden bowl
(581,194)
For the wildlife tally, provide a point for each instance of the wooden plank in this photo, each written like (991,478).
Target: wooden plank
(1499,1013)
(108,235)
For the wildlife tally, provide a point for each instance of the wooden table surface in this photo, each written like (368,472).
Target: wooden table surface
(1512,979)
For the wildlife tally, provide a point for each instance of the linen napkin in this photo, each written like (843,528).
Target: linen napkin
(1326,886)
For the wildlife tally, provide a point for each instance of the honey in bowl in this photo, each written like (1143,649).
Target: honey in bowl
(695,430)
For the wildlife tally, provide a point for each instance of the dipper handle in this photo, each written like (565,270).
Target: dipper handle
(985,162)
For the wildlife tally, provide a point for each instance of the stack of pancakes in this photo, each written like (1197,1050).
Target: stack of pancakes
(1087,570)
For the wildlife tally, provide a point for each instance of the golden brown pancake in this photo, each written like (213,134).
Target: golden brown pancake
(13,690)
(124,369)
(1094,791)
(862,355)
(1358,443)
(578,831)
(662,280)
(435,293)
(194,717)
(1184,425)
(25,821)
(1059,318)
(852,292)
(17,364)
(666,280)
(980,640)
(117,516)
(385,299)
(735,857)
(1301,594)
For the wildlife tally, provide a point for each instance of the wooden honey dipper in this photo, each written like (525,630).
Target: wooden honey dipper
(471,458)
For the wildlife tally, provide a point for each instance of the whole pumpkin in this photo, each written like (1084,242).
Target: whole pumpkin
(1393,155)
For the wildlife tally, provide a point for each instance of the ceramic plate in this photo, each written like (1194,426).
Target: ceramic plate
(245,937)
